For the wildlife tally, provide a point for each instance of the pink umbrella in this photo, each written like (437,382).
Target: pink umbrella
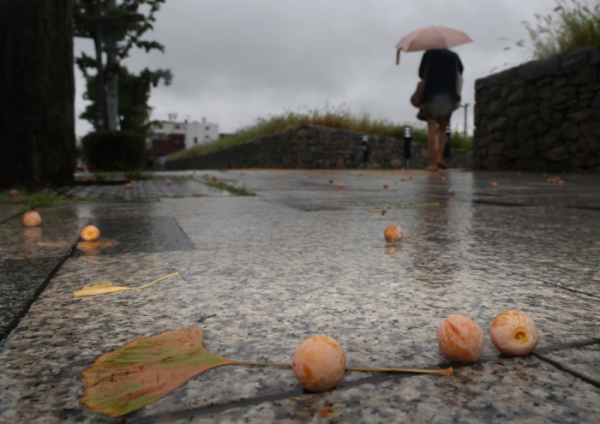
(433,37)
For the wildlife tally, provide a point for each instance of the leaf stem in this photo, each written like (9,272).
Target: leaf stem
(447,371)
(417,238)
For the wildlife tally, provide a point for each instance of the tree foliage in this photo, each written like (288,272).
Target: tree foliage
(134,93)
(134,90)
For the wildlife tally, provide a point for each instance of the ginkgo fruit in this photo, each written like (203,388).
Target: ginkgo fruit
(460,339)
(31,219)
(514,333)
(90,233)
(319,363)
(393,233)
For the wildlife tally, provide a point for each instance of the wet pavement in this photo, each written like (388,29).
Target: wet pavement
(261,273)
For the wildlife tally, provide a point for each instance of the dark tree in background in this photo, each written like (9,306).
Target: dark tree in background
(37,89)
(133,90)
(134,94)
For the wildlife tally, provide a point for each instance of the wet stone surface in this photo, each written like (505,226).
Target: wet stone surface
(260,274)
(142,234)
(20,279)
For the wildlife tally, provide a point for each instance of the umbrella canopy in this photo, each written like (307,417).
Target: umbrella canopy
(433,37)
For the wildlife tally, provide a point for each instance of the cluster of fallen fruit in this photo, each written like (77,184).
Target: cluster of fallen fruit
(319,362)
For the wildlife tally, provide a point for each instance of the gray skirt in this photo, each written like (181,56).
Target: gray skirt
(439,109)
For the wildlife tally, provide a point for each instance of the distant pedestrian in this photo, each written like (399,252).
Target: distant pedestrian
(441,69)
(162,163)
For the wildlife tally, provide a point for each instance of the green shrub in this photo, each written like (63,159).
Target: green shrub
(114,150)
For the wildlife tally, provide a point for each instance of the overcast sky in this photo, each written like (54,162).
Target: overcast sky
(234,61)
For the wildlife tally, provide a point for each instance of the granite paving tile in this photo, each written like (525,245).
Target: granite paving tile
(20,279)
(59,225)
(524,390)
(303,258)
(584,360)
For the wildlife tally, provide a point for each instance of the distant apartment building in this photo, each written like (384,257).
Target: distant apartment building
(194,132)
(170,136)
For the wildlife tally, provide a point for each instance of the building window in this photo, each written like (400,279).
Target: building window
(195,140)
(207,136)
(176,127)
(207,128)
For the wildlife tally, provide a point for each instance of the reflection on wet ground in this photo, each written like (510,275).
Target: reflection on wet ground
(259,274)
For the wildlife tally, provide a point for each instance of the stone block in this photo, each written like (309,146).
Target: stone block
(570,131)
(564,94)
(549,115)
(396,163)
(585,144)
(559,82)
(584,76)
(592,160)
(527,109)
(495,92)
(342,143)
(590,129)
(496,124)
(528,149)
(557,154)
(572,147)
(581,116)
(545,142)
(493,162)
(495,107)
(545,92)
(374,165)
(481,83)
(516,97)
(573,62)
(595,55)
(595,103)
(340,164)
(495,149)
(539,127)
(539,68)
(524,135)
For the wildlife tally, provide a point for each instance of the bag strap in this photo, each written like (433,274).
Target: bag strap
(427,61)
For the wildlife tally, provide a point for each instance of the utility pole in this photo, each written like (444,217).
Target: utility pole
(466,106)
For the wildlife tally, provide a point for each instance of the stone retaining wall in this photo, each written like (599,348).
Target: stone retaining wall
(315,147)
(541,116)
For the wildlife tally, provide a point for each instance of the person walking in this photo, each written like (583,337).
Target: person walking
(441,70)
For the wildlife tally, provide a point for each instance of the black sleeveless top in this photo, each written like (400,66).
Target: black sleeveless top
(441,77)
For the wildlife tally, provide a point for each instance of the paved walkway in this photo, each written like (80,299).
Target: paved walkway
(261,273)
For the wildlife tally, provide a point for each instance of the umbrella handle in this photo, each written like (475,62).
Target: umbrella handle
(397,56)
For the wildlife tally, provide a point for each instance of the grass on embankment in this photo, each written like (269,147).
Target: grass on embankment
(332,118)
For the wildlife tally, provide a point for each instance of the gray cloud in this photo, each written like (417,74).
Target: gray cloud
(235,61)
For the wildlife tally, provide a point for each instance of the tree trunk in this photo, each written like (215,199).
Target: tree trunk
(37,92)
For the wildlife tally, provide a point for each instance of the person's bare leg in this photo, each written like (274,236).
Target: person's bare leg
(441,134)
(432,131)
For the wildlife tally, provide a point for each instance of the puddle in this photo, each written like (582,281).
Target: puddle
(141,235)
